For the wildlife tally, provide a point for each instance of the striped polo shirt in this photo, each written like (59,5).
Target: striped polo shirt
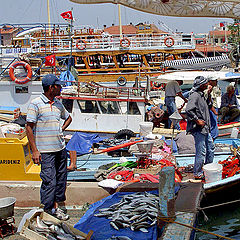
(48,129)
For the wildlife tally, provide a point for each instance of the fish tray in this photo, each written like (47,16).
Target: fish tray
(32,235)
(153,170)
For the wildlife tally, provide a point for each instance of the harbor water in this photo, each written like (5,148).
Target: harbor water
(223,220)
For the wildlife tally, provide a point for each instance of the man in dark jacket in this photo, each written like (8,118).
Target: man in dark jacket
(229,105)
(198,124)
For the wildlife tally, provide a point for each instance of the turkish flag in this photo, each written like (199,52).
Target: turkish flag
(50,60)
(67,15)
(222,24)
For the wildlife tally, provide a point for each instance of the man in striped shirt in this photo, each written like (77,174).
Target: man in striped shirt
(45,135)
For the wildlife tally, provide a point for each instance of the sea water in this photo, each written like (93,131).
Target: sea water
(223,220)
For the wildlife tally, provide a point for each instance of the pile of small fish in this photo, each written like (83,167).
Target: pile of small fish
(53,231)
(138,211)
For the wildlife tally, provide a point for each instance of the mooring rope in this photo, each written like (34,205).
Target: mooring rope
(196,229)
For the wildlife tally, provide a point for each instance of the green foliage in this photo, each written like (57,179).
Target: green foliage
(234,38)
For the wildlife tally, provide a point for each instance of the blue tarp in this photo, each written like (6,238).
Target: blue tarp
(101,227)
(67,77)
(82,142)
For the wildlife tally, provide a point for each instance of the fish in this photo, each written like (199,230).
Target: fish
(136,211)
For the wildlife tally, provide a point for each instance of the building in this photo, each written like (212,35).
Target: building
(7,32)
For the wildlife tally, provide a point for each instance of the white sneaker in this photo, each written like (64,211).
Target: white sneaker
(59,214)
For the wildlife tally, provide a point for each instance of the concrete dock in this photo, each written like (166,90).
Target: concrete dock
(28,193)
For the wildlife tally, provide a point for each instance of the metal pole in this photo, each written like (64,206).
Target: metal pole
(49,20)
(213,42)
(120,21)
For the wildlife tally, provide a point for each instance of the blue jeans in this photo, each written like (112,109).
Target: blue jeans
(171,107)
(54,178)
(204,151)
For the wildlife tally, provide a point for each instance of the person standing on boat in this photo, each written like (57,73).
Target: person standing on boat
(211,94)
(172,90)
(45,135)
(229,105)
(198,124)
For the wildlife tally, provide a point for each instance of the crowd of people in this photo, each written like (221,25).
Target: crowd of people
(203,115)
(45,131)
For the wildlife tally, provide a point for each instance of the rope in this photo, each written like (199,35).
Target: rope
(208,207)
(196,229)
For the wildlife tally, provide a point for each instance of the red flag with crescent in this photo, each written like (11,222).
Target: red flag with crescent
(67,15)
(50,60)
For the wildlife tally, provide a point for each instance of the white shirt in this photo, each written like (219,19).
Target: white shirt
(172,88)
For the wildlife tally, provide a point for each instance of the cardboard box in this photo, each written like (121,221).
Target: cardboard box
(153,170)
(16,135)
(32,235)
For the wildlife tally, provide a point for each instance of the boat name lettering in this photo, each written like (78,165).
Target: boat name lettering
(9,161)
(16,50)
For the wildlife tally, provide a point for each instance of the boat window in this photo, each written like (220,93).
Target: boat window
(88,106)
(130,108)
(108,107)
(21,89)
(68,104)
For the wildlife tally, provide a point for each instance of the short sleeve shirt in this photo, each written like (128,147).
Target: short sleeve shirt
(47,117)
(172,88)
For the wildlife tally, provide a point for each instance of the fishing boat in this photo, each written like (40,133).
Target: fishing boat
(97,55)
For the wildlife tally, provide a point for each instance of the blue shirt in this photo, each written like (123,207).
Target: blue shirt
(48,130)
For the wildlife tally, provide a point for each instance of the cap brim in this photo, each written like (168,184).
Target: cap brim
(60,82)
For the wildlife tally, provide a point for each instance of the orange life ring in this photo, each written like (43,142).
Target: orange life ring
(157,86)
(26,66)
(124,42)
(81,44)
(169,41)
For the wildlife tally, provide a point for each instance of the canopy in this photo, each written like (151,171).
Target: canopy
(189,76)
(180,8)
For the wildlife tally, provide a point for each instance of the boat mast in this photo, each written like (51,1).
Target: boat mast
(120,21)
(49,20)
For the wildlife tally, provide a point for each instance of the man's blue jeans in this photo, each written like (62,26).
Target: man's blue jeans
(204,151)
(171,107)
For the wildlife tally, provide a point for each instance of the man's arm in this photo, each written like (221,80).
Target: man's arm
(36,156)
(67,123)
(181,96)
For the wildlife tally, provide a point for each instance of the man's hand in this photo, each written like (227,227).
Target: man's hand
(201,123)
(36,157)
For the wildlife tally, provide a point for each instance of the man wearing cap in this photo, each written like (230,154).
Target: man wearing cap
(45,135)
(198,124)
(172,90)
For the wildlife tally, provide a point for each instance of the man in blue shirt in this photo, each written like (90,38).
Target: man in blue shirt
(45,135)
(229,105)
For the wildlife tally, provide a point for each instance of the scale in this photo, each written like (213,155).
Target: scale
(145,153)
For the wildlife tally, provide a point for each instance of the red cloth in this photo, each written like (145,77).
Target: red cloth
(67,15)
(183,124)
(50,60)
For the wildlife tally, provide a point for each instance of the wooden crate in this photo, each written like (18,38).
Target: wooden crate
(32,235)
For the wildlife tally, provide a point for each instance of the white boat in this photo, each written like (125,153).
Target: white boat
(93,108)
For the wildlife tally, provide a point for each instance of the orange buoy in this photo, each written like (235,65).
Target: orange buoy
(26,66)
(81,44)
(169,41)
(124,42)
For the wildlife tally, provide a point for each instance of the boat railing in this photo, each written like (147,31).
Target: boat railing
(64,43)
(95,90)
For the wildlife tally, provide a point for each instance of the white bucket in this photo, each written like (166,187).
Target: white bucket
(234,133)
(212,172)
(145,128)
